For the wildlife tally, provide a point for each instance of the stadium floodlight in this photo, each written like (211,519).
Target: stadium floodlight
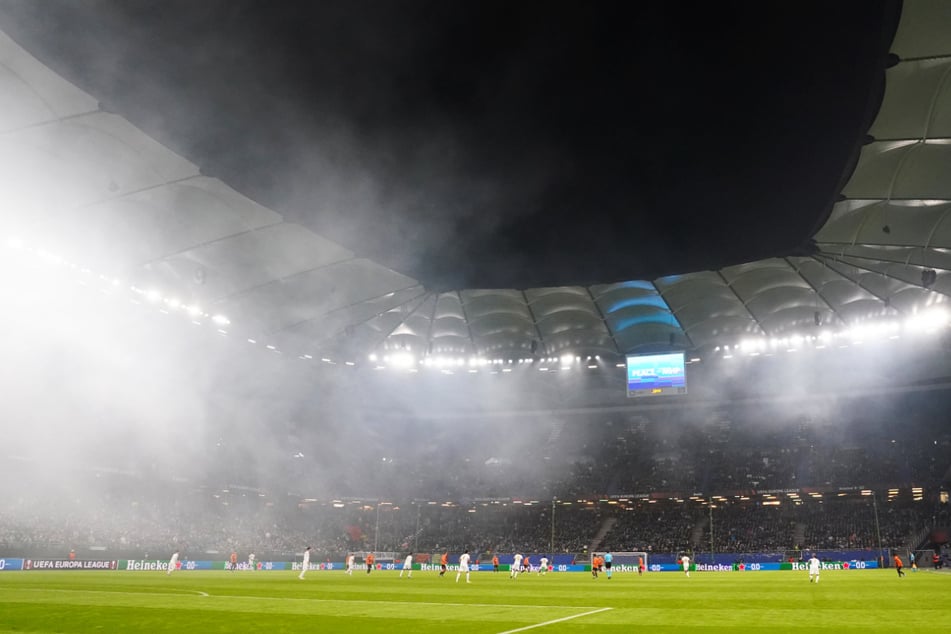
(194,310)
(927,320)
(371,356)
(221,320)
(402,360)
(52,257)
(566,359)
(153,295)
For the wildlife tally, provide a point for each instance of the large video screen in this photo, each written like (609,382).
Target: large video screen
(656,374)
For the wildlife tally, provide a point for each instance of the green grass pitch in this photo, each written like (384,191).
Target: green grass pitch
(220,601)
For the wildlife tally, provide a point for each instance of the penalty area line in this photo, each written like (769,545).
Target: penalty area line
(553,621)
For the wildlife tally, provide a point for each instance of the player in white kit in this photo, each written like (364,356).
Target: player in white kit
(350,564)
(408,566)
(686,561)
(251,561)
(463,566)
(814,566)
(543,565)
(516,566)
(306,564)
(172,563)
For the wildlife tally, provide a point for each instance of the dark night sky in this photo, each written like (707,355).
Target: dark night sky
(498,144)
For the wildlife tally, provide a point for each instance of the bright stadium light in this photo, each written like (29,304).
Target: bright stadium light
(927,320)
(402,360)
(153,295)
(221,320)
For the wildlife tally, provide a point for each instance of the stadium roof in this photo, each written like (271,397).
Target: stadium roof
(88,185)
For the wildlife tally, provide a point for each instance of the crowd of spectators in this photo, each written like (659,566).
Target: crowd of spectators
(440,497)
(206,523)
(743,454)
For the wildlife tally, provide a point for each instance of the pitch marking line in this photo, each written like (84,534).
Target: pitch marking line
(319,600)
(567,618)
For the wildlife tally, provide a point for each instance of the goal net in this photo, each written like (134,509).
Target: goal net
(628,560)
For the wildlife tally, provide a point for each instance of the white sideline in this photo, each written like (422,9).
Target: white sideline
(316,599)
(567,618)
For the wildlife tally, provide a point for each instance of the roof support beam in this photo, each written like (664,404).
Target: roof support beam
(674,315)
(817,292)
(604,320)
(836,257)
(538,332)
(348,307)
(281,280)
(745,307)
(465,317)
(821,259)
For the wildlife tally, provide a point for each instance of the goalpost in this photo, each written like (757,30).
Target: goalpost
(629,560)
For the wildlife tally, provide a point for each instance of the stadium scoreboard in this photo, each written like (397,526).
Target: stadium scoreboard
(656,374)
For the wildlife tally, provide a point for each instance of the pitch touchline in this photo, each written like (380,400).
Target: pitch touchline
(471,605)
(567,618)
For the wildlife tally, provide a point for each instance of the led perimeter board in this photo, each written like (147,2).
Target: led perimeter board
(656,374)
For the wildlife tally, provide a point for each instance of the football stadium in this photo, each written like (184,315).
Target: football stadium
(335,387)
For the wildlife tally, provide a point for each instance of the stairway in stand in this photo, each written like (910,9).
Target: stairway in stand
(606,527)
